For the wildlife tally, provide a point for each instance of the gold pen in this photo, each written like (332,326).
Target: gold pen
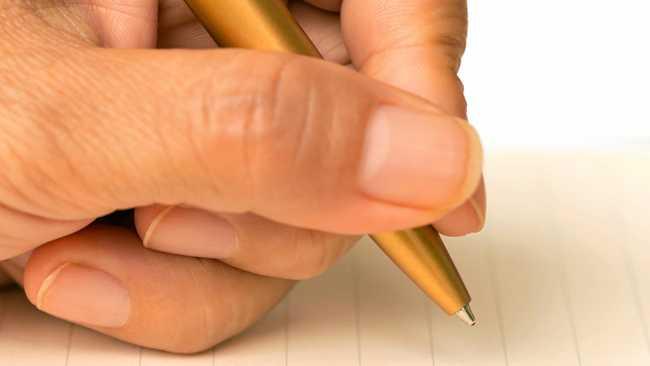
(268,25)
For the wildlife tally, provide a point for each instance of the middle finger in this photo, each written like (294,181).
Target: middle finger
(245,241)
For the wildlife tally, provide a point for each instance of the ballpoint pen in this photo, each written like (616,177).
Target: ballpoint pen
(269,25)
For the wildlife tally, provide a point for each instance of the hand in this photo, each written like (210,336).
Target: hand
(260,155)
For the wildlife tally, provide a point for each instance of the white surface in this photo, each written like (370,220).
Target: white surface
(558,72)
(559,277)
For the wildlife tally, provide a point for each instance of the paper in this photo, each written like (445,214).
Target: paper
(561,276)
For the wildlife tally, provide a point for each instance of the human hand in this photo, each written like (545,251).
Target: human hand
(260,154)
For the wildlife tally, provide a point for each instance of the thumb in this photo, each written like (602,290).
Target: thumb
(296,140)
(418,47)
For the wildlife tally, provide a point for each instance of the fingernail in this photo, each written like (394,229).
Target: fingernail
(420,159)
(479,214)
(191,232)
(85,295)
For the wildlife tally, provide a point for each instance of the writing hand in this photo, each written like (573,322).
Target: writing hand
(260,154)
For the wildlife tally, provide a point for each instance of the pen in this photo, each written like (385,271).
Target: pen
(268,25)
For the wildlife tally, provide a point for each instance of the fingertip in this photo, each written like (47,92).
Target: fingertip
(468,218)
(474,164)
(424,160)
(33,275)
(82,247)
(41,264)
(479,203)
(460,222)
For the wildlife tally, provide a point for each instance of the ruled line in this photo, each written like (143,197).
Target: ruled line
(69,347)
(429,316)
(564,277)
(357,303)
(497,302)
(285,328)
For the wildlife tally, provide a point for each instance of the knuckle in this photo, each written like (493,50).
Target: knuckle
(192,335)
(276,124)
(210,323)
(451,32)
(297,130)
(260,118)
(453,44)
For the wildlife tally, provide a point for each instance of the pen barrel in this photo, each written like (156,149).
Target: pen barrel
(268,25)
(254,24)
(422,255)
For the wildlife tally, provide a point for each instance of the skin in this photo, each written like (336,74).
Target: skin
(89,124)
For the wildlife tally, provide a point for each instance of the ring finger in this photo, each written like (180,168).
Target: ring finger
(103,279)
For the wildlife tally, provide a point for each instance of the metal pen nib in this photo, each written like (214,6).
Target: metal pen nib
(466,315)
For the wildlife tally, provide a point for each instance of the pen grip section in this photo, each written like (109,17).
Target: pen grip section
(422,256)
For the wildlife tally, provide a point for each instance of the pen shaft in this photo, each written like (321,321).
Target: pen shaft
(422,255)
(268,25)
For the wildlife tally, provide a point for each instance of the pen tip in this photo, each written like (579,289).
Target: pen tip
(466,315)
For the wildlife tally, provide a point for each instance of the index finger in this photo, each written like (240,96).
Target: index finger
(416,45)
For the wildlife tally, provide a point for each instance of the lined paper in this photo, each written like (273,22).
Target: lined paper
(560,276)
(323,316)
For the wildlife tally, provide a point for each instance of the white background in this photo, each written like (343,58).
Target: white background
(559,72)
